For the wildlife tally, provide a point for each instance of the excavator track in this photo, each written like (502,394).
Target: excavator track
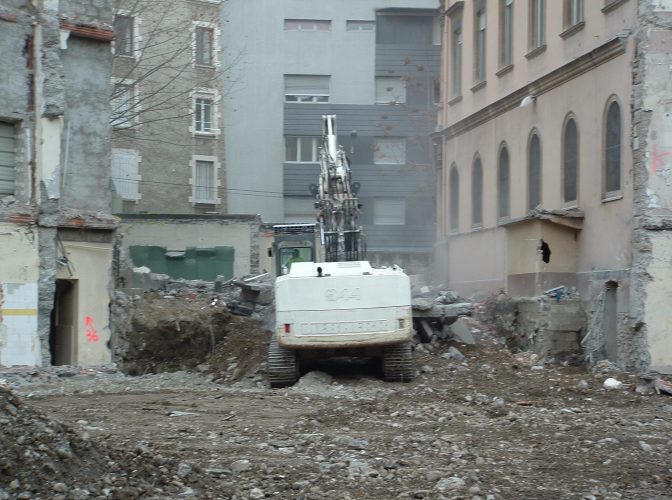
(283,369)
(398,363)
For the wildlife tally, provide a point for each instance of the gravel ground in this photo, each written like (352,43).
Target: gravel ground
(489,426)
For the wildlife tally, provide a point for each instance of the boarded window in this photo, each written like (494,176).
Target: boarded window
(125,173)
(7,158)
(360,25)
(205,46)
(389,150)
(454,199)
(307,25)
(205,190)
(390,90)
(537,23)
(306,88)
(571,161)
(613,149)
(534,173)
(123,35)
(503,183)
(389,211)
(506,33)
(477,194)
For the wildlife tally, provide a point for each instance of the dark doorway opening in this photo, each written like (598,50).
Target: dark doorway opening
(611,320)
(63,331)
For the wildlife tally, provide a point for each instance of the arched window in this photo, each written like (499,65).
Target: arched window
(534,173)
(570,161)
(477,193)
(503,183)
(612,149)
(454,199)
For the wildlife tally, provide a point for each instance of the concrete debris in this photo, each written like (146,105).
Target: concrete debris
(454,353)
(461,332)
(612,383)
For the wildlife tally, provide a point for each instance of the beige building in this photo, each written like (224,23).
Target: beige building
(554,171)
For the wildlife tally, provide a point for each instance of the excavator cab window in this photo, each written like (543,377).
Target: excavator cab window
(290,254)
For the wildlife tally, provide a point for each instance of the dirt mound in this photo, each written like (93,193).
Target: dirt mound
(158,333)
(43,458)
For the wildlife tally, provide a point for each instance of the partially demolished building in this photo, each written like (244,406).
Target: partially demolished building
(555,170)
(56,230)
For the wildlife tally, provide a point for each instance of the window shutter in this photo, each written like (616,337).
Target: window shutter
(7,160)
(390,90)
(125,174)
(307,84)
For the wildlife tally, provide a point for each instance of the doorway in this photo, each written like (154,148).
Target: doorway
(611,320)
(63,331)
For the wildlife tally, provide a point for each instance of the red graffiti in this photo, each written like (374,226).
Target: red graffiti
(91,332)
(658,163)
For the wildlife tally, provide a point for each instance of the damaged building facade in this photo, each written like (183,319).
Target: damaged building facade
(56,230)
(554,141)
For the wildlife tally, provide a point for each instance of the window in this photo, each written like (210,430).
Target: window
(570,161)
(537,23)
(404,29)
(205,45)
(477,194)
(360,25)
(125,173)
(389,150)
(123,105)
(390,90)
(456,41)
(454,199)
(389,211)
(301,149)
(503,184)
(124,33)
(612,150)
(506,33)
(534,173)
(306,88)
(307,25)
(204,181)
(572,12)
(205,112)
(479,49)
(7,158)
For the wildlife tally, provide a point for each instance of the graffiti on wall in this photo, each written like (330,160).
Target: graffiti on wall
(91,332)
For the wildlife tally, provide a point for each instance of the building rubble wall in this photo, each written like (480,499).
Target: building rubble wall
(54,88)
(649,346)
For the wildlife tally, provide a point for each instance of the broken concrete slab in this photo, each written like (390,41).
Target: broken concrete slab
(461,332)
(443,311)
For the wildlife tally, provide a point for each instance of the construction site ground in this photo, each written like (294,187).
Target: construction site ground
(491,426)
(186,412)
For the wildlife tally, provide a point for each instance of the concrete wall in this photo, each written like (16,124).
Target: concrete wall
(91,332)
(648,346)
(54,88)
(19,343)
(180,232)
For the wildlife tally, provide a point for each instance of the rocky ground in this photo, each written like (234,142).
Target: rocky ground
(186,413)
(491,425)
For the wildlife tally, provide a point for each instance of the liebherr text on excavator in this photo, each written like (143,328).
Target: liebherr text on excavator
(338,304)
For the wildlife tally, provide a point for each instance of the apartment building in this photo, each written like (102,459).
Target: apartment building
(374,64)
(167,141)
(56,229)
(554,161)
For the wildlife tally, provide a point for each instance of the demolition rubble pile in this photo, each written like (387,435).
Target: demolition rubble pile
(44,458)
(215,328)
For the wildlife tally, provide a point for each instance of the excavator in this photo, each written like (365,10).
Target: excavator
(337,304)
